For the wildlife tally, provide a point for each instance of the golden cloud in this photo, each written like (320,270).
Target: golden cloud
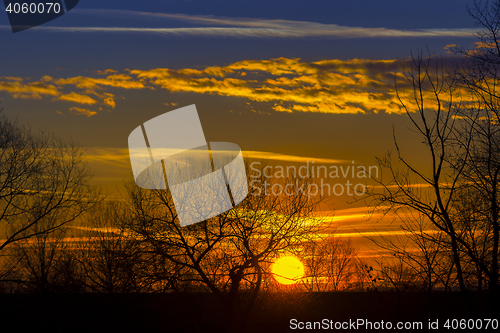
(286,85)
(48,86)
(33,90)
(329,86)
(86,112)
(107,71)
(116,80)
(77,98)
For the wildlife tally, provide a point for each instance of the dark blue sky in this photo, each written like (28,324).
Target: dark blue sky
(367,13)
(102,50)
(109,34)
(48,73)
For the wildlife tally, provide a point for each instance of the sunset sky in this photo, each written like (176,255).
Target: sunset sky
(290,80)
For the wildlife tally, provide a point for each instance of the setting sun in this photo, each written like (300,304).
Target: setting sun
(287,270)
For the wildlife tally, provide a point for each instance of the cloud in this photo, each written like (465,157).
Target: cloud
(77,98)
(289,158)
(100,158)
(48,86)
(32,90)
(107,71)
(325,31)
(120,157)
(214,26)
(116,80)
(283,84)
(290,85)
(86,112)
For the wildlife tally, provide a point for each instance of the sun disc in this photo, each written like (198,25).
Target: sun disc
(287,270)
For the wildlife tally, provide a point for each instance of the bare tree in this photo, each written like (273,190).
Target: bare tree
(396,275)
(110,258)
(331,265)
(424,251)
(41,178)
(46,261)
(230,253)
(478,74)
(431,194)
(456,197)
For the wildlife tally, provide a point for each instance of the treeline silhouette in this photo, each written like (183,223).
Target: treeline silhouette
(448,202)
(60,235)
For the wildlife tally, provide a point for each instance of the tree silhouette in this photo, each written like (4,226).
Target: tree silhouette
(43,183)
(456,194)
(230,253)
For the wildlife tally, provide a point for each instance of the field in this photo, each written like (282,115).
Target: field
(202,313)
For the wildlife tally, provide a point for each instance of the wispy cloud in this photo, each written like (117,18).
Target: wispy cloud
(86,112)
(289,158)
(100,158)
(120,156)
(213,26)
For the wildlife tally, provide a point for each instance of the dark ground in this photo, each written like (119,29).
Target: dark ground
(202,313)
